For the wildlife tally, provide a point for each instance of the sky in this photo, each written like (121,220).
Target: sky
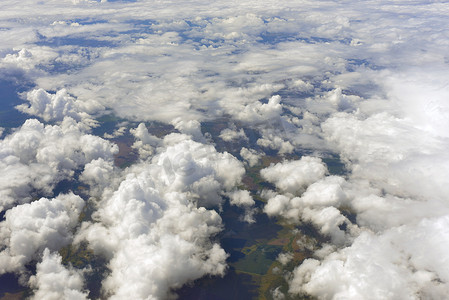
(302,81)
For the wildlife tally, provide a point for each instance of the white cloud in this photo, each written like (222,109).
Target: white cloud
(277,205)
(294,176)
(273,140)
(30,228)
(285,258)
(396,187)
(251,156)
(55,107)
(277,294)
(191,127)
(385,69)
(392,265)
(231,134)
(243,198)
(99,174)
(154,228)
(36,156)
(53,281)
(145,142)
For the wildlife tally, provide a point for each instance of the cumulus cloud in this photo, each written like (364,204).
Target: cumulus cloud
(28,229)
(362,81)
(389,158)
(145,142)
(272,140)
(285,258)
(391,265)
(54,281)
(50,107)
(277,294)
(99,174)
(319,205)
(243,198)
(231,134)
(258,112)
(294,176)
(191,127)
(36,156)
(156,224)
(251,156)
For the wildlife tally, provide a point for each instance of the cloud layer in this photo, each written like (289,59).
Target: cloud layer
(312,82)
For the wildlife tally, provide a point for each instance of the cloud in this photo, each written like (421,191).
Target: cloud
(365,82)
(388,154)
(145,142)
(393,265)
(231,134)
(30,228)
(55,107)
(154,228)
(271,139)
(285,258)
(36,156)
(54,281)
(294,176)
(257,112)
(191,127)
(50,107)
(99,174)
(277,294)
(319,205)
(243,198)
(251,156)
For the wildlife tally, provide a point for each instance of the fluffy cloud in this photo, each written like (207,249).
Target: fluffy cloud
(231,134)
(318,205)
(99,174)
(154,228)
(364,80)
(272,139)
(294,176)
(145,142)
(242,198)
(285,258)
(389,155)
(54,281)
(258,112)
(30,228)
(392,265)
(50,107)
(251,156)
(36,156)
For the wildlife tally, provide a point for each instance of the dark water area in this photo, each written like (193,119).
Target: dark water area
(9,283)
(9,98)
(235,239)
(231,286)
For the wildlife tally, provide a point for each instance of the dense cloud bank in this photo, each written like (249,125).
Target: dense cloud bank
(35,157)
(362,81)
(30,228)
(155,228)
